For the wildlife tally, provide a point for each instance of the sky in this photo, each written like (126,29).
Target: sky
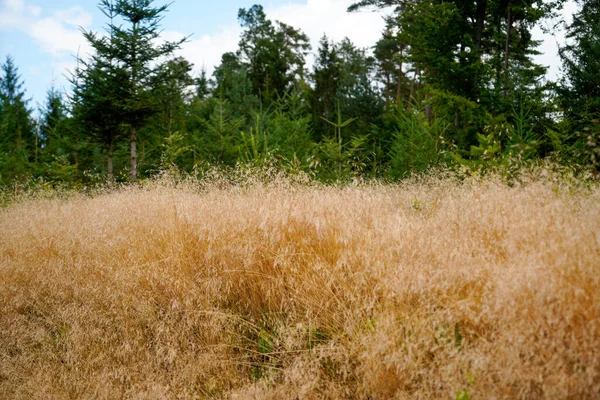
(44,36)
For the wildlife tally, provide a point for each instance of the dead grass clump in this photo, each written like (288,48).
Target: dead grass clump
(419,290)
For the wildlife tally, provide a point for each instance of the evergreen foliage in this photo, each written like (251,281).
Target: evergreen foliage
(580,86)
(448,83)
(17,130)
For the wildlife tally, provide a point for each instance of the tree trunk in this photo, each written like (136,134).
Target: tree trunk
(221,133)
(479,23)
(36,146)
(111,176)
(399,83)
(399,90)
(479,27)
(412,88)
(171,113)
(387,91)
(19,138)
(133,142)
(412,91)
(428,113)
(507,52)
(76,155)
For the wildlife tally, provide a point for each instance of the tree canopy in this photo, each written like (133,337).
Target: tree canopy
(451,83)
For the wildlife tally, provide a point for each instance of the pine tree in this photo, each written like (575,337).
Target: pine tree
(54,132)
(52,115)
(234,85)
(202,85)
(581,62)
(580,88)
(326,80)
(219,134)
(132,50)
(174,80)
(389,52)
(273,54)
(98,88)
(473,52)
(167,128)
(17,128)
(356,89)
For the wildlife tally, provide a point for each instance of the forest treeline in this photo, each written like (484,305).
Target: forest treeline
(448,83)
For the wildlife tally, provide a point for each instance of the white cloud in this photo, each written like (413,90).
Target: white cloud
(55,38)
(75,16)
(10,14)
(318,17)
(14,5)
(35,11)
(552,41)
(57,35)
(206,51)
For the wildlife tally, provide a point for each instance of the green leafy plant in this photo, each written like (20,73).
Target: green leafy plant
(463,395)
(254,146)
(173,148)
(338,126)
(417,144)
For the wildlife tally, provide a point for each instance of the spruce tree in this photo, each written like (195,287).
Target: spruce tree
(273,54)
(581,62)
(54,132)
(233,84)
(389,52)
(326,77)
(580,87)
(17,128)
(97,108)
(131,49)
(167,128)
(52,115)
(202,85)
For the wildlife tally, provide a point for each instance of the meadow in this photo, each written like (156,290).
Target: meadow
(434,288)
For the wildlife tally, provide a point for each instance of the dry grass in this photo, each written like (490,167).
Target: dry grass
(415,291)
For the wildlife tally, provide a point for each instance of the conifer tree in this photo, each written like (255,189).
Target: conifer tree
(580,87)
(234,85)
(131,49)
(389,52)
(581,61)
(220,133)
(272,53)
(98,88)
(170,90)
(17,128)
(52,115)
(326,78)
(54,137)
(202,85)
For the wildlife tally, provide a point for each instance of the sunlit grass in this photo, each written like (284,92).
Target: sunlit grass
(420,290)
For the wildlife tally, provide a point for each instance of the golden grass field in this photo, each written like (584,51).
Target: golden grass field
(431,289)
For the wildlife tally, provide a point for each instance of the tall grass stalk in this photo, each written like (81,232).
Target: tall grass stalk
(428,289)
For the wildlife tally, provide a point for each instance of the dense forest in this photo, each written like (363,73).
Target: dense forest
(450,83)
